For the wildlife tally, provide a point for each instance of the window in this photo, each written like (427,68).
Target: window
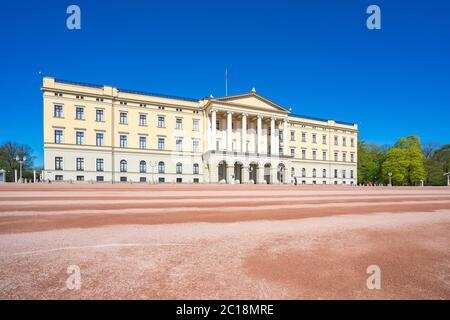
(59,163)
(142,119)
(179,180)
(100,178)
(179,144)
(344,141)
(195,145)
(100,164)
(351,174)
(80,164)
(196,180)
(280,135)
(292,135)
(324,139)
(303,154)
(343,174)
(314,172)
(142,179)
(179,168)
(142,166)
(324,155)
(292,152)
(123,179)
(79,137)
(179,123)
(80,178)
(324,182)
(99,139)
(314,138)
(335,156)
(123,141)
(161,144)
(344,156)
(142,142)
(59,178)
(123,118)
(195,168)
(292,171)
(161,122)
(79,113)
(303,137)
(161,167)
(324,173)
(335,173)
(303,172)
(195,125)
(352,157)
(99,115)
(123,166)
(58,111)
(217,125)
(352,142)
(59,136)
(336,140)
(314,154)
(161,180)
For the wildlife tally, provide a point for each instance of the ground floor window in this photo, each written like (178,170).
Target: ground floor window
(80,178)
(314,182)
(179,180)
(324,182)
(303,182)
(142,179)
(59,178)
(100,179)
(335,182)
(196,180)
(123,179)
(161,180)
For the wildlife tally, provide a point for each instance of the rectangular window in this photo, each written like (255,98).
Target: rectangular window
(79,113)
(142,119)
(178,123)
(314,138)
(59,136)
(292,135)
(352,157)
(314,154)
(123,179)
(142,142)
(343,174)
(352,142)
(161,144)
(99,139)
(100,179)
(324,139)
(324,155)
(80,178)
(79,137)
(161,180)
(179,144)
(336,140)
(195,145)
(123,141)
(303,136)
(59,178)
(196,180)
(80,164)
(335,173)
(59,163)
(303,154)
(217,125)
(142,179)
(344,156)
(99,115)
(292,152)
(100,165)
(58,111)
(344,141)
(195,125)
(280,135)
(123,119)
(351,174)
(335,156)
(161,122)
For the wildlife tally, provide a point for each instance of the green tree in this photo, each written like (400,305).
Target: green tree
(435,173)
(8,152)
(370,159)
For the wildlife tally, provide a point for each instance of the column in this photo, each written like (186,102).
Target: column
(274,175)
(244,133)
(213,129)
(260,174)
(208,132)
(230,174)
(229,131)
(258,133)
(272,136)
(244,174)
(285,138)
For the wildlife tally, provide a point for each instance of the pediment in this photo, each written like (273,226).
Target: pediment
(253,101)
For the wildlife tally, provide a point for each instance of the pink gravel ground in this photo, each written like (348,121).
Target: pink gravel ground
(223,242)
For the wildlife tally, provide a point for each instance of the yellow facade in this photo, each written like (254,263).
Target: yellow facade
(102,133)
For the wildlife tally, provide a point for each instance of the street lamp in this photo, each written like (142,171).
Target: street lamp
(390,179)
(448,178)
(21,161)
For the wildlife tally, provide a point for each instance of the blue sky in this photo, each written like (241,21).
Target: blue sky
(316,57)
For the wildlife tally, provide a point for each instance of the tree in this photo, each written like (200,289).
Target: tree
(442,155)
(429,147)
(370,158)
(8,153)
(435,173)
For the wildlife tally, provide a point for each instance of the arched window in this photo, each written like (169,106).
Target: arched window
(142,167)
(303,172)
(179,167)
(123,166)
(161,167)
(195,168)
(314,172)
(324,173)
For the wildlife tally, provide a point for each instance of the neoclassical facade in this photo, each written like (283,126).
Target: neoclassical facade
(96,133)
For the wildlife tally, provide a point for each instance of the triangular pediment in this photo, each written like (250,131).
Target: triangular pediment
(252,100)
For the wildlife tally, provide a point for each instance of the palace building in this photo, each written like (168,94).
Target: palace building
(105,134)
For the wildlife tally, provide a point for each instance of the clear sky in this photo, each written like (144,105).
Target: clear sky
(316,57)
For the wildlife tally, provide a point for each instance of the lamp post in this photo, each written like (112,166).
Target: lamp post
(390,179)
(20,161)
(448,178)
